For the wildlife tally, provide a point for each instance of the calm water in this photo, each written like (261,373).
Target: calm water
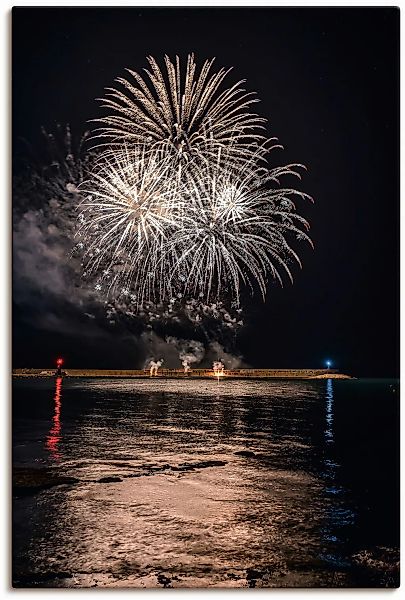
(315,505)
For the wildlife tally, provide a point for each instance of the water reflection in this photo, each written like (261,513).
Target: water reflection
(338,515)
(271,497)
(329,412)
(54,436)
(330,465)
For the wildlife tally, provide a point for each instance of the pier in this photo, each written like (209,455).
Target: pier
(180,374)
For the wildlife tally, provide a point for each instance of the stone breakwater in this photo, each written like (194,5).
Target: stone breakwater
(193,374)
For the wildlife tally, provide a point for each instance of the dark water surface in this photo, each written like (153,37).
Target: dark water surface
(311,501)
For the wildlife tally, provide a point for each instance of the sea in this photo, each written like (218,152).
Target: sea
(205,484)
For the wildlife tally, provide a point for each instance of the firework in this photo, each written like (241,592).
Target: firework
(188,115)
(180,203)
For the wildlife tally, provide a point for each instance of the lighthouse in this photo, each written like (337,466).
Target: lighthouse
(59,364)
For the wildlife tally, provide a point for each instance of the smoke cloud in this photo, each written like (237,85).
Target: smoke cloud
(175,352)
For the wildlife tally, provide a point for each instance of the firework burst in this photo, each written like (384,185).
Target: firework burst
(181,203)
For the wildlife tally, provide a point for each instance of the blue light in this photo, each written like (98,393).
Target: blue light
(328,363)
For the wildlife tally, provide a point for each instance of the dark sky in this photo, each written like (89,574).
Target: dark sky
(328,83)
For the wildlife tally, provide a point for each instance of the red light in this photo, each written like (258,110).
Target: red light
(59,361)
(54,436)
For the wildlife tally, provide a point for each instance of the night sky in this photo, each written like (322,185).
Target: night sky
(328,84)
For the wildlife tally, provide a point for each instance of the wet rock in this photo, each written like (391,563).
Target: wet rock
(199,465)
(266,574)
(148,470)
(253,573)
(211,463)
(27,482)
(163,580)
(36,579)
(252,576)
(160,468)
(112,479)
(245,453)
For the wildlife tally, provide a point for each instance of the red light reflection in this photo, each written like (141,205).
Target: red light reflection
(54,435)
